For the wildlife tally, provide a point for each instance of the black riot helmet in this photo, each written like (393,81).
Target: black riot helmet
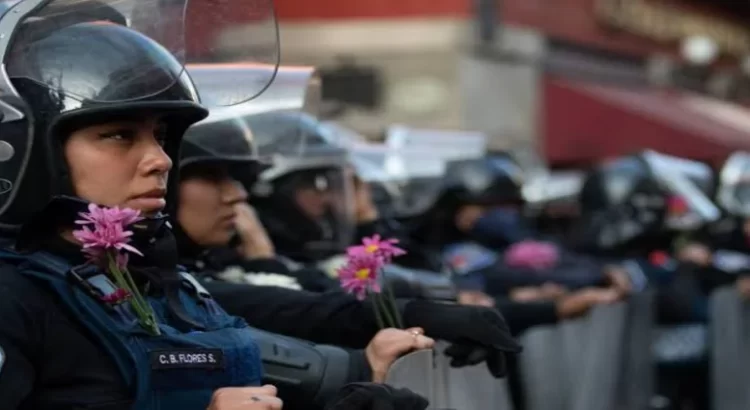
(226,136)
(733,190)
(648,194)
(494,179)
(69,64)
(304,199)
(225,141)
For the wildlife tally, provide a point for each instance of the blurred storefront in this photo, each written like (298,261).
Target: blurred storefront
(430,63)
(624,75)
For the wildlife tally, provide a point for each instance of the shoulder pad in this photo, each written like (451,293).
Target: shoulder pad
(199,290)
(468,257)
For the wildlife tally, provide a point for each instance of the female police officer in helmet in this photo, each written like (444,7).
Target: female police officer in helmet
(93,112)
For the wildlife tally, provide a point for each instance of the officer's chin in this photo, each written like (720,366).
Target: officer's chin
(149,206)
(224,238)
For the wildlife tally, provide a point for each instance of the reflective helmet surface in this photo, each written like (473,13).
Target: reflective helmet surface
(227,142)
(68,64)
(493,179)
(90,91)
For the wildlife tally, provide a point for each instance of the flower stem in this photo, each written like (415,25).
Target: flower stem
(120,279)
(136,292)
(386,313)
(140,305)
(123,282)
(394,307)
(378,314)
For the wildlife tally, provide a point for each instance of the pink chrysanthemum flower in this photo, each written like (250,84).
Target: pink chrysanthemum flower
(105,241)
(360,274)
(384,249)
(104,216)
(103,230)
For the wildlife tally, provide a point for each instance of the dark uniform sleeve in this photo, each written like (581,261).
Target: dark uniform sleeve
(19,337)
(522,316)
(328,318)
(16,375)
(359,367)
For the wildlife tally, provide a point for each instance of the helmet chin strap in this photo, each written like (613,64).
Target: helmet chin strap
(154,238)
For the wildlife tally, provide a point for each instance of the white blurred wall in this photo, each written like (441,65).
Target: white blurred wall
(431,79)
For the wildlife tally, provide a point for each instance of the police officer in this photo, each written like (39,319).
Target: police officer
(731,233)
(331,318)
(623,209)
(477,218)
(211,153)
(93,113)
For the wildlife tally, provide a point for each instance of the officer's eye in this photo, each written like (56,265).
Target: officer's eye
(118,135)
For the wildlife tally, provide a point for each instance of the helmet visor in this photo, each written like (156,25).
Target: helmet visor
(734,186)
(107,51)
(685,182)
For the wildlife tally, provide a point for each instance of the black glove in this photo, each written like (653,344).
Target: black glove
(478,333)
(463,354)
(374,396)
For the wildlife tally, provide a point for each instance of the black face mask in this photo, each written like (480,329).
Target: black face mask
(500,227)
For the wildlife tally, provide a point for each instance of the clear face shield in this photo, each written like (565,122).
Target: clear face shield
(543,189)
(223,142)
(688,185)
(734,185)
(325,197)
(228,130)
(416,158)
(553,190)
(221,35)
(309,174)
(412,179)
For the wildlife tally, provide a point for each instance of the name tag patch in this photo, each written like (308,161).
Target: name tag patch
(187,359)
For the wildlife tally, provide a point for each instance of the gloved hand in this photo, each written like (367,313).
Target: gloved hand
(467,354)
(374,396)
(478,333)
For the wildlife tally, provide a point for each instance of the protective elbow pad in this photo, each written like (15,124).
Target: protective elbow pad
(302,371)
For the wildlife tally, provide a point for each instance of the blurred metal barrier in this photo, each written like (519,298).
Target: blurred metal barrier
(428,373)
(638,378)
(730,345)
(604,361)
(415,371)
(600,362)
(469,388)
